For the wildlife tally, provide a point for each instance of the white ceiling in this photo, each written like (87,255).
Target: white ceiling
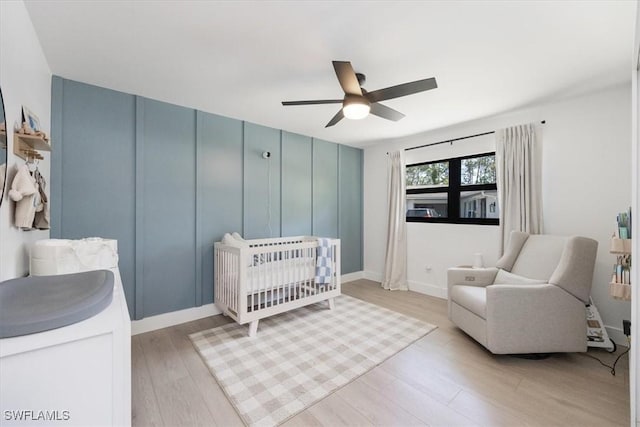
(241,59)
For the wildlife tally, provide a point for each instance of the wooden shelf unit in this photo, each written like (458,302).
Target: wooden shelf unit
(621,291)
(26,146)
(621,248)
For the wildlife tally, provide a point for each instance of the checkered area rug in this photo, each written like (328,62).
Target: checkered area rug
(301,356)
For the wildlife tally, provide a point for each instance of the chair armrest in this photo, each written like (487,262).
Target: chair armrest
(506,295)
(471,276)
(534,318)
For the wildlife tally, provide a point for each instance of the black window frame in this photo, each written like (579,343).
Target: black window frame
(453,191)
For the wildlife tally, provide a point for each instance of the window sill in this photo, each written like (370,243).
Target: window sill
(472,221)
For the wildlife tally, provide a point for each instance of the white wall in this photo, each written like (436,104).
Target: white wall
(25,79)
(586,182)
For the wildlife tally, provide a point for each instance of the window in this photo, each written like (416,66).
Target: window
(461,190)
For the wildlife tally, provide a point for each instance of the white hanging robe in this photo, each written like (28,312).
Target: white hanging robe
(24,191)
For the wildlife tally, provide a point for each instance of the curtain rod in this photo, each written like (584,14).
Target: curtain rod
(455,139)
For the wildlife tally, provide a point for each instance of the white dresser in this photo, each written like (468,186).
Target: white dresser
(77,375)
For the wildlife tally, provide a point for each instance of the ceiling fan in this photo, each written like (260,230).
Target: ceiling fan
(358,103)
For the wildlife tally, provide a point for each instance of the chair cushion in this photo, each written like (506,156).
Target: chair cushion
(506,278)
(539,256)
(473,298)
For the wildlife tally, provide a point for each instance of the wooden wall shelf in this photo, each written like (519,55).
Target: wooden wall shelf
(621,291)
(619,287)
(25,146)
(620,246)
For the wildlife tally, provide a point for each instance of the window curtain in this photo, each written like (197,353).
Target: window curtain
(518,181)
(395,262)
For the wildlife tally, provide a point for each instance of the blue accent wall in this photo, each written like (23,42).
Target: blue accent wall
(325,188)
(350,211)
(168,181)
(220,192)
(296,215)
(93,179)
(261,182)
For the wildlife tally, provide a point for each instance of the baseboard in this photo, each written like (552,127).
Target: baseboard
(372,275)
(350,277)
(422,288)
(173,318)
(425,288)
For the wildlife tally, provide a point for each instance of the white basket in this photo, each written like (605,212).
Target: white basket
(62,256)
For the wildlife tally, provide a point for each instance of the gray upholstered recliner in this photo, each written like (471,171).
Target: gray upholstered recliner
(533,301)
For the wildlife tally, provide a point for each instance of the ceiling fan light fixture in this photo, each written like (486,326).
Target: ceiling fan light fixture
(355,107)
(359,103)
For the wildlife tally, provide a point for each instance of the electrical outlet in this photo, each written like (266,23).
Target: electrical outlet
(626,327)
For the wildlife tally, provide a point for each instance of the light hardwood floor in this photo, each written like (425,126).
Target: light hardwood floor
(443,379)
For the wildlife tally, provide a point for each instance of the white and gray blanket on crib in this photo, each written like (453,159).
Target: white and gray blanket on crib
(324,258)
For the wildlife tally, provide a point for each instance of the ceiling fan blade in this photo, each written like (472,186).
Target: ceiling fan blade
(318,101)
(402,90)
(339,116)
(347,77)
(386,112)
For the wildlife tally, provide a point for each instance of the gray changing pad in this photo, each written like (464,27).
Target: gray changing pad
(40,303)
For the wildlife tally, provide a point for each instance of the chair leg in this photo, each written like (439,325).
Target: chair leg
(253,328)
(332,303)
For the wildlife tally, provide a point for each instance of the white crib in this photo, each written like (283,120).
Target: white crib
(269,276)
